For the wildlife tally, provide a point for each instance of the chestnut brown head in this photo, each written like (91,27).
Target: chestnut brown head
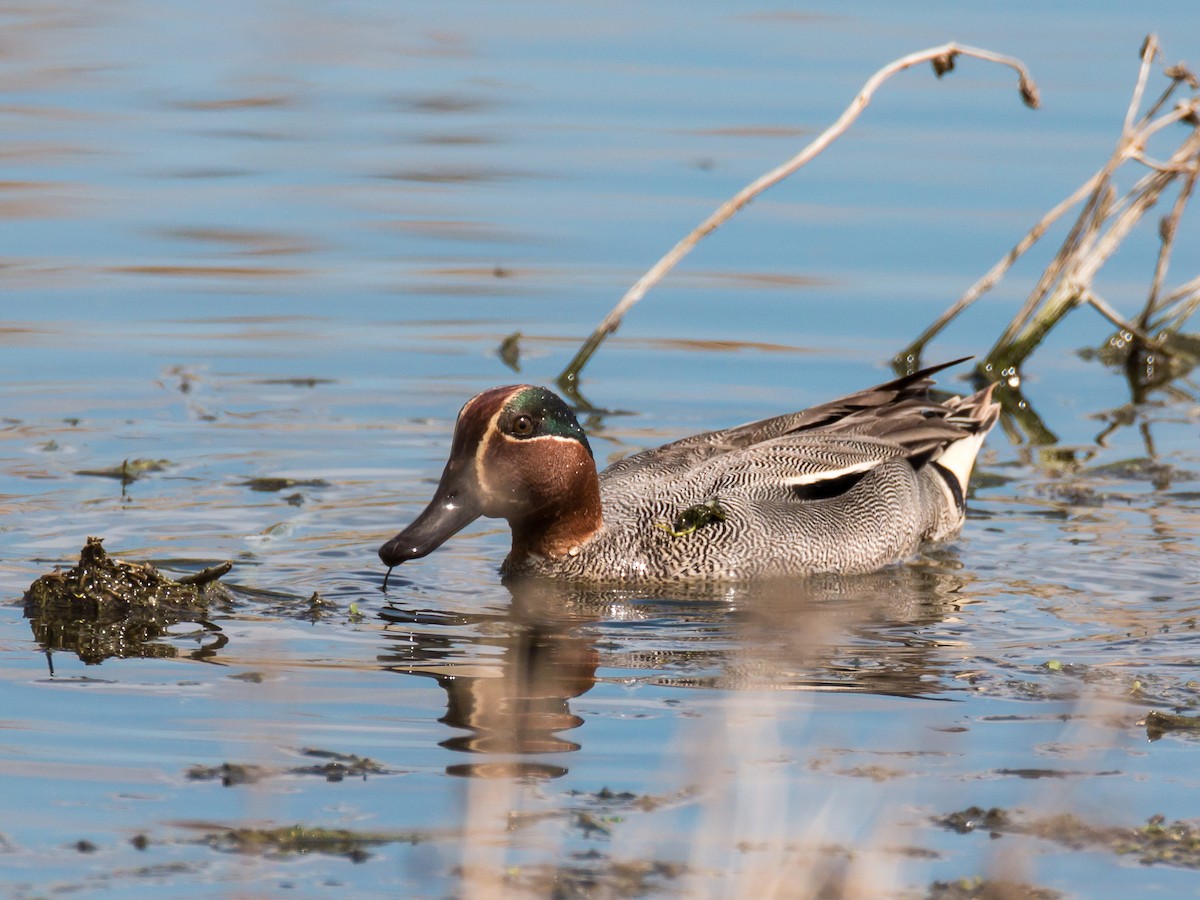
(518,453)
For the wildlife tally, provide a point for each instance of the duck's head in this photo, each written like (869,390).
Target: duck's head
(519,454)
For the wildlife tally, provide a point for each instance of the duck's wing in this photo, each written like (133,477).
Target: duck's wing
(799,466)
(877,410)
(818,462)
(898,411)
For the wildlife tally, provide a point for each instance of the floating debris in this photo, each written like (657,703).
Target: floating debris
(100,583)
(599,876)
(338,767)
(209,575)
(974,818)
(129,471)
(510,351)
(980,888)
(1156,842)
(319,607)
(298,839)
(1159,723)
(273,485)
(230,774)
(248,677)
(297,382)
(104,607)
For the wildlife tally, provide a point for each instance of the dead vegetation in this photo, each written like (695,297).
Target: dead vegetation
(1107,217)
(943,60)
(1150,343)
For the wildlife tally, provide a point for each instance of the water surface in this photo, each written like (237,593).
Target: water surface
(272,241)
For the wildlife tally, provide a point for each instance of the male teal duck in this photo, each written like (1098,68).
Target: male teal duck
(846,486)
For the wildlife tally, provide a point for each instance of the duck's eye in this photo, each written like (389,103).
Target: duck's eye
(522,426)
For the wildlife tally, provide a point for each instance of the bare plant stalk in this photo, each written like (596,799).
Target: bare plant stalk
(1090,243)
(1097,303)
(942,58)
(1090,189)
(1166,230)
(1100,227)
(1184,290)
(1149,53)
(1075,268)
(1088,221)
(994,275)
(1100,202)
(1179,307)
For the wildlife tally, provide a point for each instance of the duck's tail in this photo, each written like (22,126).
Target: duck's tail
(975,415)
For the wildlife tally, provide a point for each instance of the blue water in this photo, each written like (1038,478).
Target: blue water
(204,207)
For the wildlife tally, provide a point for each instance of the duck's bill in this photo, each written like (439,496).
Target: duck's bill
(449,512)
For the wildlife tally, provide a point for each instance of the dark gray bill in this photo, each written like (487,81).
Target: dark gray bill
(451,510)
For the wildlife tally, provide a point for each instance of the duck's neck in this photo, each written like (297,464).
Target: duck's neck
(561,529)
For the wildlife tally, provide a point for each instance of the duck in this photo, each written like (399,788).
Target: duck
(848,486)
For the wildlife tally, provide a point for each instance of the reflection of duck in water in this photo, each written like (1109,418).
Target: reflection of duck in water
(510,676)
(847,486)
(516,703)
(521,710)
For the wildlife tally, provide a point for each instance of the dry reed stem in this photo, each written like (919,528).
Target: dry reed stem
(1097,231)
(1178,306)
(1167,230)
(1100,198)
(1183,291)
(1074,268)
(941,57)
(1149,53)
(1128,144)
(994,275)
(1093,300)
(1083,233)
(1082,255)
(1161,166)
(1124,217)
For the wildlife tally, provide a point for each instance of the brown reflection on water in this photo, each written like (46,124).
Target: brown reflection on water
(456,230)
(244,242)
(751,131)
(444,174)
(250,102)
(523,710)
(37,199)
(209,271)
(445,103)
(510,677)
(454,140)
(761,280)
